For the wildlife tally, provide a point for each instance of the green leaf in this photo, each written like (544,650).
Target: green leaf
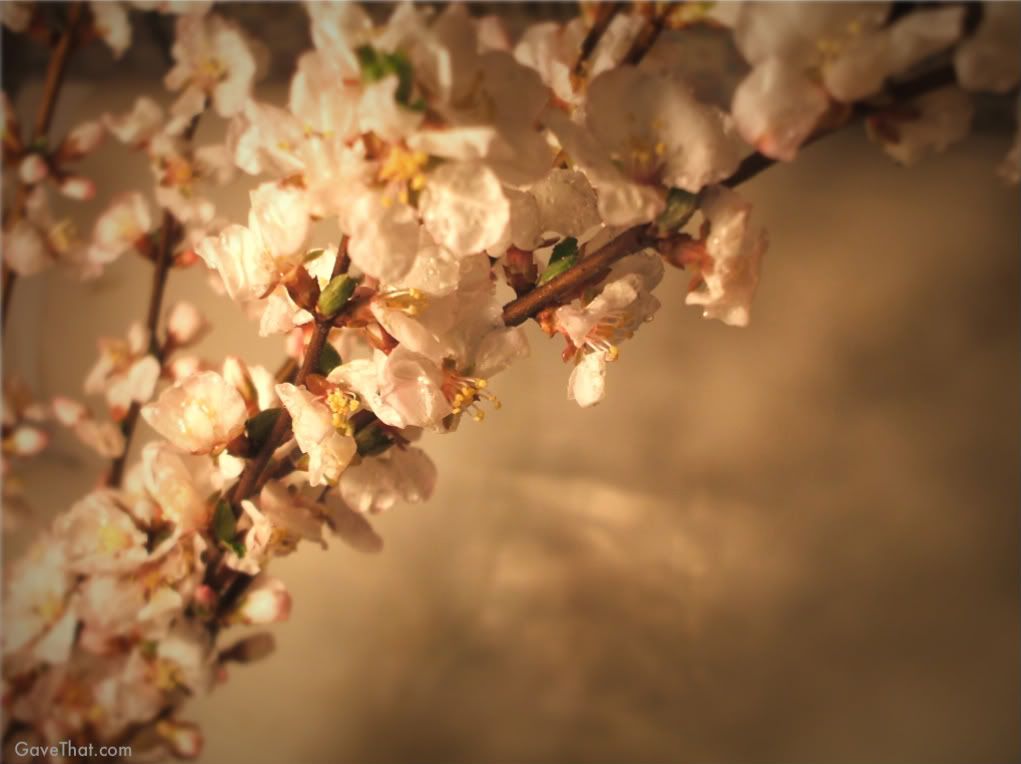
(329,359)
(680,206)
(258,427)
(372,439)
(236,546)
(312,254)
(565,254)
(225,525)
(336,295)
(376,65)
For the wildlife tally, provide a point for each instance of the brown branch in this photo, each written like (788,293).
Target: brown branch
(647,37)
(585,271)
(170,235)
(51,88)
(164,259)
(605,14)
(55,71)
(230,584)
(593,267)
(249,480)
(9,277)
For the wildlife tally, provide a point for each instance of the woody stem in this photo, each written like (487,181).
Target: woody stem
(594,266)
(51,89)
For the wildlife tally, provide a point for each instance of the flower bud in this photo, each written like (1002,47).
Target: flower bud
(186,259)
(184,366)
(68,411)
(205,596)
(33,169)
(105,438)
(78,188)
(302,287)
(82,140)
(267,601)
(680,206)
(185,324)
(683,250)
(336,294)
(183,738)
(28,441)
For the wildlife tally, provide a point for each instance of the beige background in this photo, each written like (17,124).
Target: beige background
(797,542)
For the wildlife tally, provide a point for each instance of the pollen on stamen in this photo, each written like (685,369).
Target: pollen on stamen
(63,235)
(404,167)
(409,301)
(466,394)
(343,405)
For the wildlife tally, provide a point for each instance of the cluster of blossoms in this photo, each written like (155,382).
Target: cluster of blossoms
(471,179)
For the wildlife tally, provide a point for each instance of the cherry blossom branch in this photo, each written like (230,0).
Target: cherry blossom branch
(249,481)
(585,271)
(55,72)
(592,267)
(230,585)
(164,259)
(44,116)
(170,235)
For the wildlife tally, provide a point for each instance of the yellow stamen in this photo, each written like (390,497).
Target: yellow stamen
(404,167)
(411,301)
(343,405)
(166,675)
(465,395)
(113,539)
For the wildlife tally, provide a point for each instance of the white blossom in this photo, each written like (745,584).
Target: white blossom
(211,58)
(314,426)
(937,120)
(987,60)
(111,22)
(776,107)
(200,414)
(734,249)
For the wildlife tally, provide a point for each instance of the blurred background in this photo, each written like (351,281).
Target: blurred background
(796,542)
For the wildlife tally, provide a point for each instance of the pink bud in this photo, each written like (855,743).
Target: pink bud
(33,169)
(184,738)
(68,411)
(76,187)
(186,259)
(267,601)
(82,140)
(184,366)
(205,596)
(185,324)
(28,441)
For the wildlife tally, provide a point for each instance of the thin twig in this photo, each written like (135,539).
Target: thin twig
(593,267)
(44,116)
(249,479)
(164,259)
(586,270)
(605,14)
(230,584)
(55,71)
(647,37)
